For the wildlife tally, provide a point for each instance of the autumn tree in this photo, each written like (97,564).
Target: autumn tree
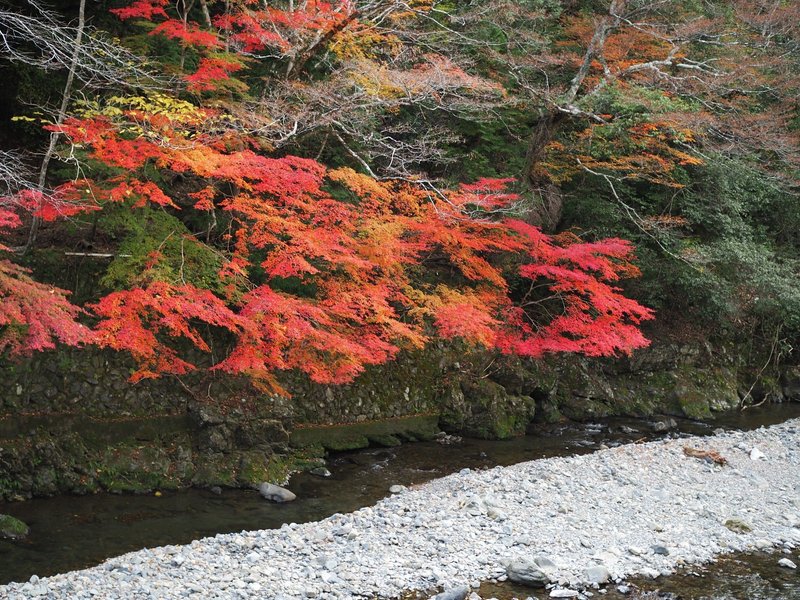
(367,78)
(222,221)
(315,267)
(669,123)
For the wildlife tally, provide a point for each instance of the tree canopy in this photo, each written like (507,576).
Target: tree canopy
(317,185)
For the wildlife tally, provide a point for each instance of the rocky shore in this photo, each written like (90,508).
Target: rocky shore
(569,525)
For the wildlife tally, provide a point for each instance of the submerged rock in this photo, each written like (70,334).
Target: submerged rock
(12,528)
(458,593)
(663,425)
(275,493)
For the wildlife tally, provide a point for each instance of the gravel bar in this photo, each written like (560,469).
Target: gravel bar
(578,522)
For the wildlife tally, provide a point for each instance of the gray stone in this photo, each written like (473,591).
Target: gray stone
(523,540)
(597,574)
(663,425)
(320,472)
(660,550)
(785,562)
(496,514)
(457,593)
(275,493)
(563,594)
(738,526)
(528,572)
(397,489)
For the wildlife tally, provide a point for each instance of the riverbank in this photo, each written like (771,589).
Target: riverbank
(636,509)
(221,432)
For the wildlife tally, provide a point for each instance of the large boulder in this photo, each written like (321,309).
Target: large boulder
(275,493)
(484,409)
(531,572)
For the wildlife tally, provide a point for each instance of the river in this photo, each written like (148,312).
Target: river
(71,532)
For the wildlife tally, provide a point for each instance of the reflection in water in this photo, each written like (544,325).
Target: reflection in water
(735,577)
(71,532)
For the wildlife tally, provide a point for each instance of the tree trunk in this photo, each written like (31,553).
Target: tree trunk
(548,213)
(206,13)
(297,63)
(61,115)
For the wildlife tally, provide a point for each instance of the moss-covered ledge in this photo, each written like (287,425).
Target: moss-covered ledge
(219,431)
(351,436)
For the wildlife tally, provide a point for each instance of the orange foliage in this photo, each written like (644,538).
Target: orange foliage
(358,256)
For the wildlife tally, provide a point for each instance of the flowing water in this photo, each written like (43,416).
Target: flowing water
(73,532)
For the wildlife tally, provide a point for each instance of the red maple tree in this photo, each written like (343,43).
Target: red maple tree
(320,270)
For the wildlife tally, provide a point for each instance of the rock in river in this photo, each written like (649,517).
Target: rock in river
(597,574)
(12,528)
(664,424)
(529,572)
(458,593)
(275,493)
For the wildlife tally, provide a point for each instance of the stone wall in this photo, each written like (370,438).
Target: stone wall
(71,422)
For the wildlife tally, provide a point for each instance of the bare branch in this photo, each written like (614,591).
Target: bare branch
(41,39)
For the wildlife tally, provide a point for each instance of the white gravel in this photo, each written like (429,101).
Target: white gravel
(637,509)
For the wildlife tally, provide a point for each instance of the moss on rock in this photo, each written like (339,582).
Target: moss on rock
(12,528)
(484,409)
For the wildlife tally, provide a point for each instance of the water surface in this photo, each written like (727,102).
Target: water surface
(74,532)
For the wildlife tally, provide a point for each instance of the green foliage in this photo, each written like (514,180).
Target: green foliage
(734,263)
(761,285)
(145,232)
(494,148)
(730,199)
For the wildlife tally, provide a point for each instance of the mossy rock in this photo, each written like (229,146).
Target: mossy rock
(387,441)
(214,469)
(137,468)
(12,528)
(346,442)
(547,412)
(256,467)
(694,404)
(738,526)
(484,409)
